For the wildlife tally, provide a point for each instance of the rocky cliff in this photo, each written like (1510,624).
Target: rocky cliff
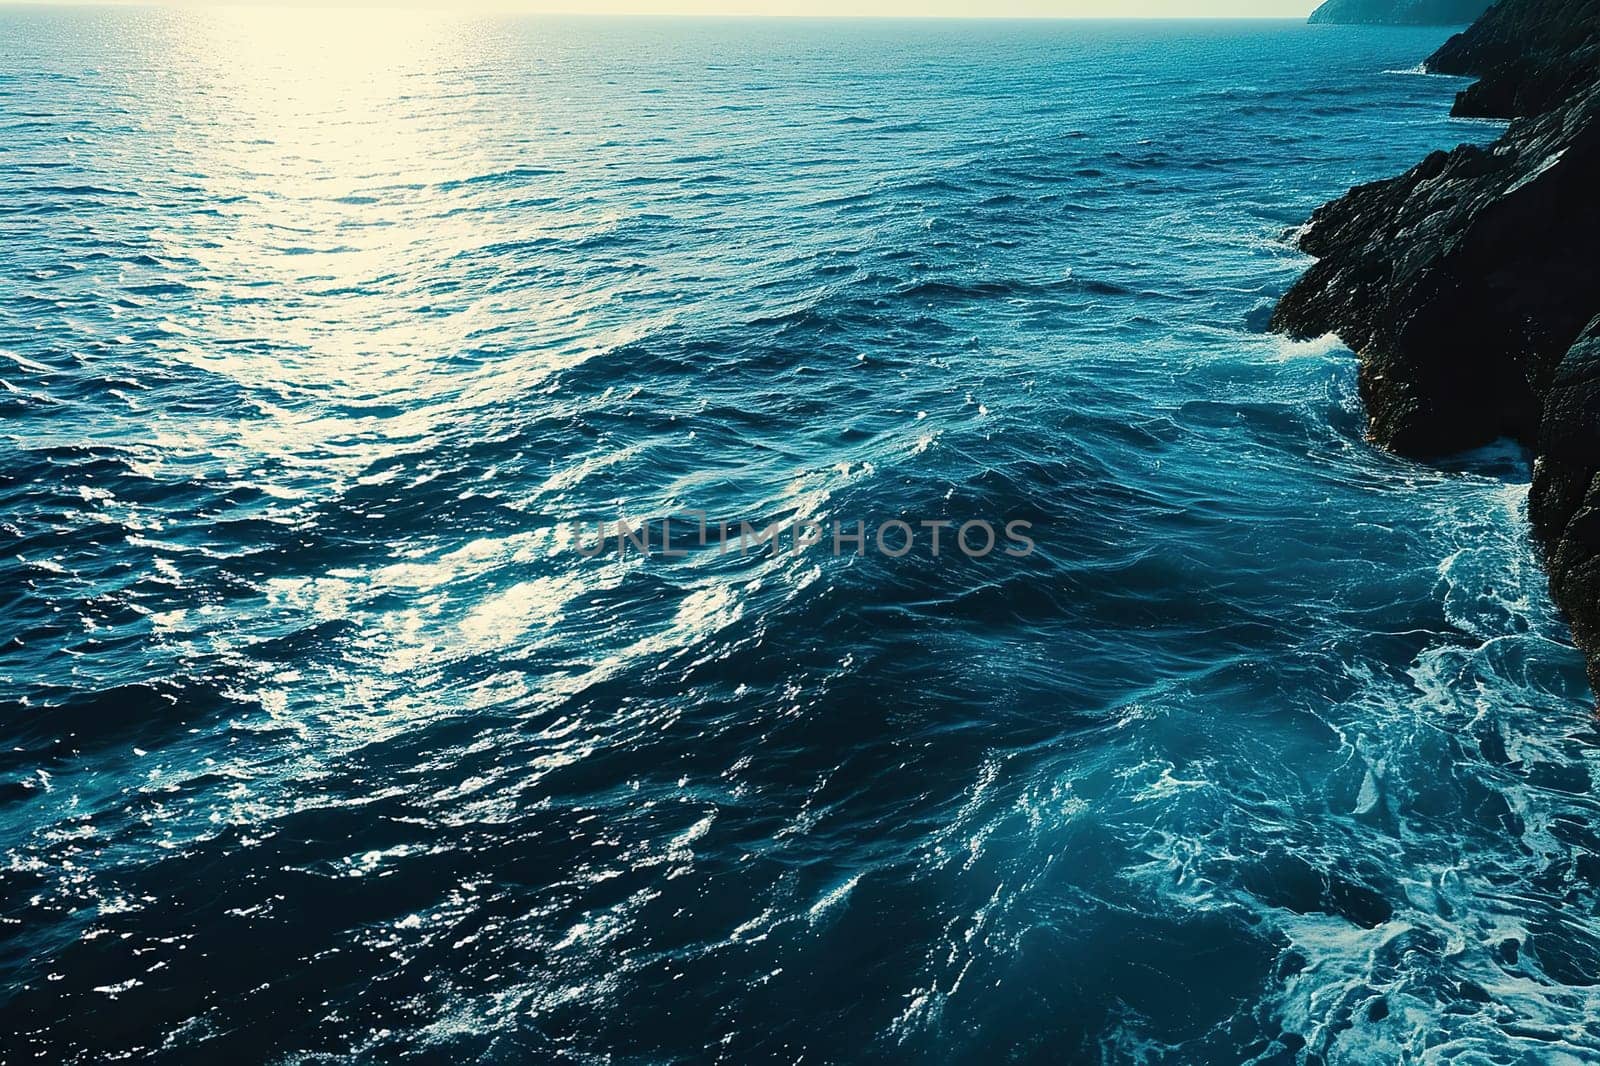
(1470,287)
(1400,12)
(1530,55)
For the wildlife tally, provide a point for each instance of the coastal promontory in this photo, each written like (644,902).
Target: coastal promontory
(1468,286)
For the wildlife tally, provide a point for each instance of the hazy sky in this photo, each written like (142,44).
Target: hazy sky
(898,8)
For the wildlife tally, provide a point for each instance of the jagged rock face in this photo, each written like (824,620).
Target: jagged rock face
(1565,500)
(1462,282)
(1569,435)
(1529,57)
(1400,12)
(1469,286)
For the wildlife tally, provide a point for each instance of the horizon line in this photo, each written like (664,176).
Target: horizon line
(510,7)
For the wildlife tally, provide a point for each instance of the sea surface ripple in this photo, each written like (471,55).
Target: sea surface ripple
(324,337)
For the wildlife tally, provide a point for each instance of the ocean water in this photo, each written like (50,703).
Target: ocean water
(326,341)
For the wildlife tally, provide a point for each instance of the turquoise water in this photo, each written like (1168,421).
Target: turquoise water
(328,339)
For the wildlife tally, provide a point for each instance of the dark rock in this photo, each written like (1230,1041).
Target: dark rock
(1462,282)
(1400,12)
(1529,55)
(1565,500)
(1469,287)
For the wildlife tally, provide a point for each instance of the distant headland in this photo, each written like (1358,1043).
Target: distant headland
(1400,12)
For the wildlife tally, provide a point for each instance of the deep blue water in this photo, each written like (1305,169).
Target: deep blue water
(326,339)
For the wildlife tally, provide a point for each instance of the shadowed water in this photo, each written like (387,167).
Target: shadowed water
(322,337)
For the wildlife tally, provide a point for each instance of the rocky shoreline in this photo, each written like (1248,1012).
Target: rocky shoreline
(1469,286)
